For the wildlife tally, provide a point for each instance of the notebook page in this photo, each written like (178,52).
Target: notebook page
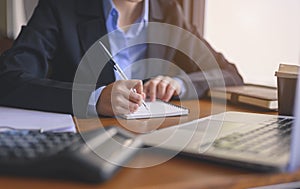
(157,109)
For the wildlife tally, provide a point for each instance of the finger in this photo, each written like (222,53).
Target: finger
(177,87)
(144,95)
(138,86)
(169,93)
(151,92)
(150,87)
(129,85)
(129,107)
(136,93)
(129,89)
(161,88)
(124,106)
(119,105)
(133,107)
(135,98)
(146,88)
(121,110)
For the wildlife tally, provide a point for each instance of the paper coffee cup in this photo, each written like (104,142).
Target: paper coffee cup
(287,76)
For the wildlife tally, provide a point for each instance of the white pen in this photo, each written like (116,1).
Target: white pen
(119,70)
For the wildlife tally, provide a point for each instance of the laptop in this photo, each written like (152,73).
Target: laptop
(255,141)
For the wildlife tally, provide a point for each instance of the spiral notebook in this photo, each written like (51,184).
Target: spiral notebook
(157,109)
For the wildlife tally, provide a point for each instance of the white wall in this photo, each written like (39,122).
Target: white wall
(15,17)
(18,13)
(256,35)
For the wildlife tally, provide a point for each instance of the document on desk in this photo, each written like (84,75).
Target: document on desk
(14,118)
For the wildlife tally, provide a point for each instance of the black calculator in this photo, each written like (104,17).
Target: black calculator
(92,156)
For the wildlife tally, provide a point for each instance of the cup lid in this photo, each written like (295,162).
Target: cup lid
(287,71)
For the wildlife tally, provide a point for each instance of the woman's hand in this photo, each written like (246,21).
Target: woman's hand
(162,87)
(119,98)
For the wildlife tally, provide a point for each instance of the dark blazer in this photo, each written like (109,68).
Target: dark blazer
(38,71)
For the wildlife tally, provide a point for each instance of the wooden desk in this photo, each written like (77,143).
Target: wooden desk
(179,172)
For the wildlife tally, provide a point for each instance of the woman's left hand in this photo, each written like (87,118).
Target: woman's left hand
(162,87)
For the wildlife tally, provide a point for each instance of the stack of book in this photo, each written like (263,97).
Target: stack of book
(256,95)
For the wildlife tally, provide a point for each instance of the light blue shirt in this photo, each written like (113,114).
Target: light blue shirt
(121,45)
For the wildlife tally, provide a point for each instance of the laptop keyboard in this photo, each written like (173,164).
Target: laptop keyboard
(272,139)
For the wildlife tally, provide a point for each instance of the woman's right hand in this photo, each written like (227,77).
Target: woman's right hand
(119,98)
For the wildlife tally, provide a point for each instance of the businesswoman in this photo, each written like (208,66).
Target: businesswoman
(39,70)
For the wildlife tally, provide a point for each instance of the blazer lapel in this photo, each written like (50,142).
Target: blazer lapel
(156,14)
(92,27)
(90,30)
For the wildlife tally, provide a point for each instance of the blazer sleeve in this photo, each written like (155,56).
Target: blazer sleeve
(25,67)
(211,70)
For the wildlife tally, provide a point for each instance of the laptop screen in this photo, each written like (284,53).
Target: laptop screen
(295,142)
